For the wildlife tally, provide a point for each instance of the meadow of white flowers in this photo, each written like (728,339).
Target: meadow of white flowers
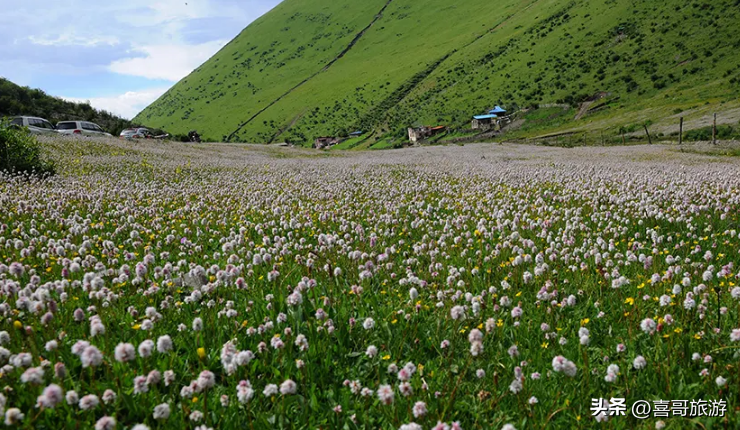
(169,286)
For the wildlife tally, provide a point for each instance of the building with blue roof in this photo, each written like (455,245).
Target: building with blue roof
(494,119)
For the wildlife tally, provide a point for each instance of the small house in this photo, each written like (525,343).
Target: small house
(495,119)
(417,134)
(485,122)
(325,142)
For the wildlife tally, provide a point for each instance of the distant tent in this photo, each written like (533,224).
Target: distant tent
(489,116)
(357,133)
(498,110)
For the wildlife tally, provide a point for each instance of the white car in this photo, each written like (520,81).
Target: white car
(82,128)
(35,125)
(136,133)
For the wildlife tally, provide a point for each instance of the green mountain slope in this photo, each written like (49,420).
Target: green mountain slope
(17,100)
(311,68)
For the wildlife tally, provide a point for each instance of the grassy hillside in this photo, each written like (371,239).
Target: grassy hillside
(311,68)
(17,100)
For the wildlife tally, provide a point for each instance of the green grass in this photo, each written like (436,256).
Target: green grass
(382,144)
(439,63)
(349,143)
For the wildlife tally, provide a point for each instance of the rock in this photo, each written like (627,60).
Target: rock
(194,281)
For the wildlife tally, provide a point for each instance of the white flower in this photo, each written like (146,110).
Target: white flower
(88,402)
(420,409)
(562,364)
(476,348)
(475,335)
(385,394)
(372,351)
(368,324)
(91,356)
(457,312)
(244,392)
(665,300)
(720,381)
(51,396)
(140,385)
(109,396)
(288,387)
(169,377)
(516,386)
(206,380)
(611,373)
(648,325)
(164,344)
(13,416)
(105,423)
(125,352)
(33,375)
(145,348)
(51,345)
(71,397)
(270,390)
(639,362)
(161,412)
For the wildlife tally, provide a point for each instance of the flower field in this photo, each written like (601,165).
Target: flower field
(481,287)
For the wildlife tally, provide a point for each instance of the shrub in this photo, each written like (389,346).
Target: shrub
(20,152)
(724,132)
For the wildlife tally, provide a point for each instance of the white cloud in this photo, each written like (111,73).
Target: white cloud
(127,104)
(71,39)
(170,62)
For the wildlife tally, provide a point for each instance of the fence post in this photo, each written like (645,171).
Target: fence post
(680,132)
(650,140)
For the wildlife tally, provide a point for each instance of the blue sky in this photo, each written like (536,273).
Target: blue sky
(118,54)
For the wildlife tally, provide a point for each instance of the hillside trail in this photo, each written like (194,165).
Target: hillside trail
(287,127)
(585,106)
(352,43)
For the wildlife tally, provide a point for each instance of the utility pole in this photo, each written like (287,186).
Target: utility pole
(650,140)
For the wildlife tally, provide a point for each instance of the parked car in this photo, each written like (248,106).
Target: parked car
(35,125)
(136,133)
(82,128)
